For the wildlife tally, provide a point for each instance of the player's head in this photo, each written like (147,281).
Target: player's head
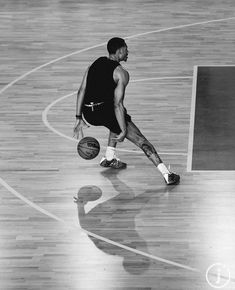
(118,47)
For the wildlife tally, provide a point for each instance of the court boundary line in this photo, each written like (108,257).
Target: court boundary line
(192,123)
(76,226)
(57,132)
(104,43)
(86,49)
(192,119)
(211,171)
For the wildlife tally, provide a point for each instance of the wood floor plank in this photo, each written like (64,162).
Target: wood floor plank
(191,224)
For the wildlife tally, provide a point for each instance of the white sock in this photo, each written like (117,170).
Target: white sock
(110,153)
(164,170)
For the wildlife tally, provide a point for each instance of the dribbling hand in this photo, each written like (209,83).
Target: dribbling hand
(78,128)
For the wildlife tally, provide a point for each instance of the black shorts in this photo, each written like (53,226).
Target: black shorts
(104,115)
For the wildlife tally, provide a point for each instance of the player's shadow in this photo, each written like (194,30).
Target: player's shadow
(115,218)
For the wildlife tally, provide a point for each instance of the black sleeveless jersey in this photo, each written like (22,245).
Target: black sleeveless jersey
(100,85)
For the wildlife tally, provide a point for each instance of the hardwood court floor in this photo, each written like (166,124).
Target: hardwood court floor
(138,234)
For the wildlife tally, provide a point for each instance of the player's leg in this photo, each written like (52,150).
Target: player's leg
(110,122)
(110,159)
(111,141)
(111,147)
(136,137)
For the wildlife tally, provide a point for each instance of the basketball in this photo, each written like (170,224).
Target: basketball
(89,193)
(88,148)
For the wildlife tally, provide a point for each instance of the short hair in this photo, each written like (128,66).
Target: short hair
(114,44)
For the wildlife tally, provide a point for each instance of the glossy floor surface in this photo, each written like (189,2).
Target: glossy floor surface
(138,233)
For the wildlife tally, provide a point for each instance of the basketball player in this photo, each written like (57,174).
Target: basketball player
(100,103)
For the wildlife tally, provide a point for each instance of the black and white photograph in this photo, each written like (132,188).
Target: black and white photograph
(117,144)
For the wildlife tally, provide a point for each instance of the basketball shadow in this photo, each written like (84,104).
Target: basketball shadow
(115,219)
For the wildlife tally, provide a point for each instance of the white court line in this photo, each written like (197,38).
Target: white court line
(10,189)
(180,26)
(192,123)
(104,43)
(161,78)
(47,213)
(50,127)
(76,226)
(192,117)
(46,64)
